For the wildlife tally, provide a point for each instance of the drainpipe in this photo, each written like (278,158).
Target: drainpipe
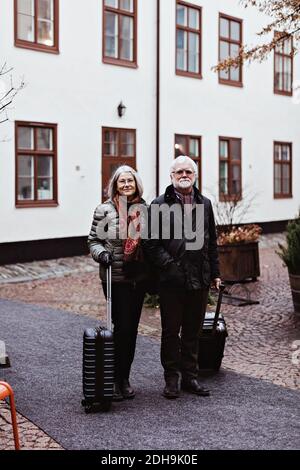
(157,94)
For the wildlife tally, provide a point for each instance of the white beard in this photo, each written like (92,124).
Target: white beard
(184,184)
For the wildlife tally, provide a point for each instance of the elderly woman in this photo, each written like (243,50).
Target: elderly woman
(109,247)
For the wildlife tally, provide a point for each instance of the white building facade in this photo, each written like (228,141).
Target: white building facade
(81,60)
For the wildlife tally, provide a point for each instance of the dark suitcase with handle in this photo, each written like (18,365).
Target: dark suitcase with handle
(98,362)
(212,340)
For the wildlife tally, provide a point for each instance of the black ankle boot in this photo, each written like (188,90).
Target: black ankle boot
(171,389)
(126,389)
(117,395)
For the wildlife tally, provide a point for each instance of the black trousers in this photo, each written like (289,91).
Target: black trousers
(127,303)
(182,315)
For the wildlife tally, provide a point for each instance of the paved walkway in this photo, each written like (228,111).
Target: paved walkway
(262,342)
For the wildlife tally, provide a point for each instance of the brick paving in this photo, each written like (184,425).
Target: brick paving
(261,337)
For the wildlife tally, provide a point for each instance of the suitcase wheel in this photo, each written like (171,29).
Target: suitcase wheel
(88,409)
(105,405)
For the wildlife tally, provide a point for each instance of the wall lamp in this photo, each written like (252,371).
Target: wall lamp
(121,109)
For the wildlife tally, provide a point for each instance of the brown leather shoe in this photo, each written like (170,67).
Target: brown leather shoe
(171,389)
(126,389)
(193,386)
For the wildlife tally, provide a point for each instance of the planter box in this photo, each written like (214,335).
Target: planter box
(239,261)
(295,288)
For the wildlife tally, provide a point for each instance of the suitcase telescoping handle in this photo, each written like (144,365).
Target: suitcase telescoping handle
(221,289)
(108,299)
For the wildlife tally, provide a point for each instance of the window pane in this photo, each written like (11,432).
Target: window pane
(224,28)
(194,148)
(45,177)
(46,10)
(25,189)
(111,3)
(44,138)
(197,181)
(224,177)
(127,144)
(287,46)
(180,145)
(26,7)
(277,171)
(235,29)
(224,74)
(287,76)
(45,167)
(126,36)
(25,166)
(285,152)
(25,177)
(224,149)
(193,53)
(25,138)
(224,50)
(181,50)
(235,150)
(286,186)
(126,5)
(235,74)
(234,50)
(279,47)
(277,152)
(194,18)
(278,72)
(111,35)
(25,27)
(285,171)
(110,143)
(236,179)
(277,186)
(45,32)
(181,15)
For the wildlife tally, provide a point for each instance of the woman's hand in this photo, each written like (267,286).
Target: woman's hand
(216,283)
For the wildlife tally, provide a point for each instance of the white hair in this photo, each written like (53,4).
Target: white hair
(184,159)
(112,185)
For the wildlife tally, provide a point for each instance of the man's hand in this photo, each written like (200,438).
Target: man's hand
(216,283)
(105,258)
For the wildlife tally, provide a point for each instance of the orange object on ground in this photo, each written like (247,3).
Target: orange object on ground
(7,391)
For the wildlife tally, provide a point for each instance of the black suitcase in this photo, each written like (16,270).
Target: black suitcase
(98,362)
(212,340)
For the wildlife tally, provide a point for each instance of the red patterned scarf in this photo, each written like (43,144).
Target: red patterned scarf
(131,246)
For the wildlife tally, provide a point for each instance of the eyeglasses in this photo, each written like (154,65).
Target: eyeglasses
(124,182)
(180,172)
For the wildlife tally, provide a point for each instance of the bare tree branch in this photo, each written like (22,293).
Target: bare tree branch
(7,96)
(285,24)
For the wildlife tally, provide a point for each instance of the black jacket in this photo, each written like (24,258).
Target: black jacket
(177,266)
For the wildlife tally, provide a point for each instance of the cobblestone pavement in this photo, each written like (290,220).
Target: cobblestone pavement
(261,337)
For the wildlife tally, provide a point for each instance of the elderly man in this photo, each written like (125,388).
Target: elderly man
(185,274)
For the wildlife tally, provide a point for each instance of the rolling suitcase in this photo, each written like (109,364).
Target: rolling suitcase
(212,340)
(98,362)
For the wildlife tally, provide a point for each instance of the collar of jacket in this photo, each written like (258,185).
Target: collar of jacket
(170,195)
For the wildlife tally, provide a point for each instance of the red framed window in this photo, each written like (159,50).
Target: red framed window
(282,170)
(188,39)
(230,42)
(120,32)
(190,145)
(36,164)
(283,67)
(118,148)
(230,171)
(36,24)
